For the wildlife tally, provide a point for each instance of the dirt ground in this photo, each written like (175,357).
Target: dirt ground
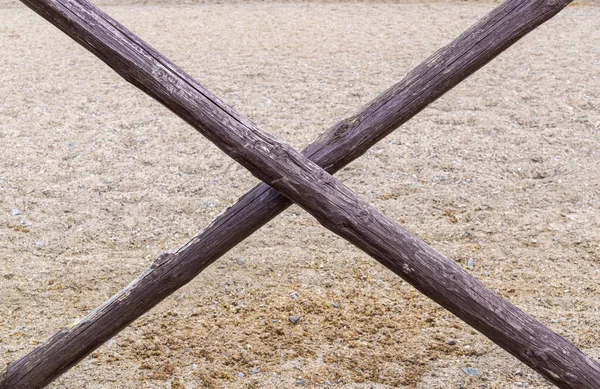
(96,179)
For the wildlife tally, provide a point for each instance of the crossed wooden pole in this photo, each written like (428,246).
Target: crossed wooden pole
(304,178)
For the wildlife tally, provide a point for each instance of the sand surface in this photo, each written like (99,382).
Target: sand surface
(96,179)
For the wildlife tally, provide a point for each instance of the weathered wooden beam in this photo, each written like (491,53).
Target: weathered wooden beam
(399,250)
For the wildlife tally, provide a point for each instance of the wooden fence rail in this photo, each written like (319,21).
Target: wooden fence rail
(305,183)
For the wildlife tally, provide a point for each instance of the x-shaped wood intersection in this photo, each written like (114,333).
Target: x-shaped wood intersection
(305,179)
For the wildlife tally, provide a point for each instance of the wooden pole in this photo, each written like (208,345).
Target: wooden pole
(330,202)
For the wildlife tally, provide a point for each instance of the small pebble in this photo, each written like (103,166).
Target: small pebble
(255,370)
(300,382)
(294,295)
(39,243)
(470,371)
(241,261)
(15,212)
(241,375)
(452,342)
(294,319)
(328,383)
(470,263)
(335,305)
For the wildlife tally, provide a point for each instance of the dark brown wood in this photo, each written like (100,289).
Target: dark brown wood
(335,206)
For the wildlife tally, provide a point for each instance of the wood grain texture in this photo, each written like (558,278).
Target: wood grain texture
(334,205)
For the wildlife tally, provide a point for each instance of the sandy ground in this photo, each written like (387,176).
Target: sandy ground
(96,179)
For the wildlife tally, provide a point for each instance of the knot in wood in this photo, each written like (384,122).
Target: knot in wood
(280,152)
(162,259)
(540,354)
(337,220)
(340,130)
(551,5)
(570,377)
(364,216)
(325,177)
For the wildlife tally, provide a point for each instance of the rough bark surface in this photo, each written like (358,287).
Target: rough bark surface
(334,205)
